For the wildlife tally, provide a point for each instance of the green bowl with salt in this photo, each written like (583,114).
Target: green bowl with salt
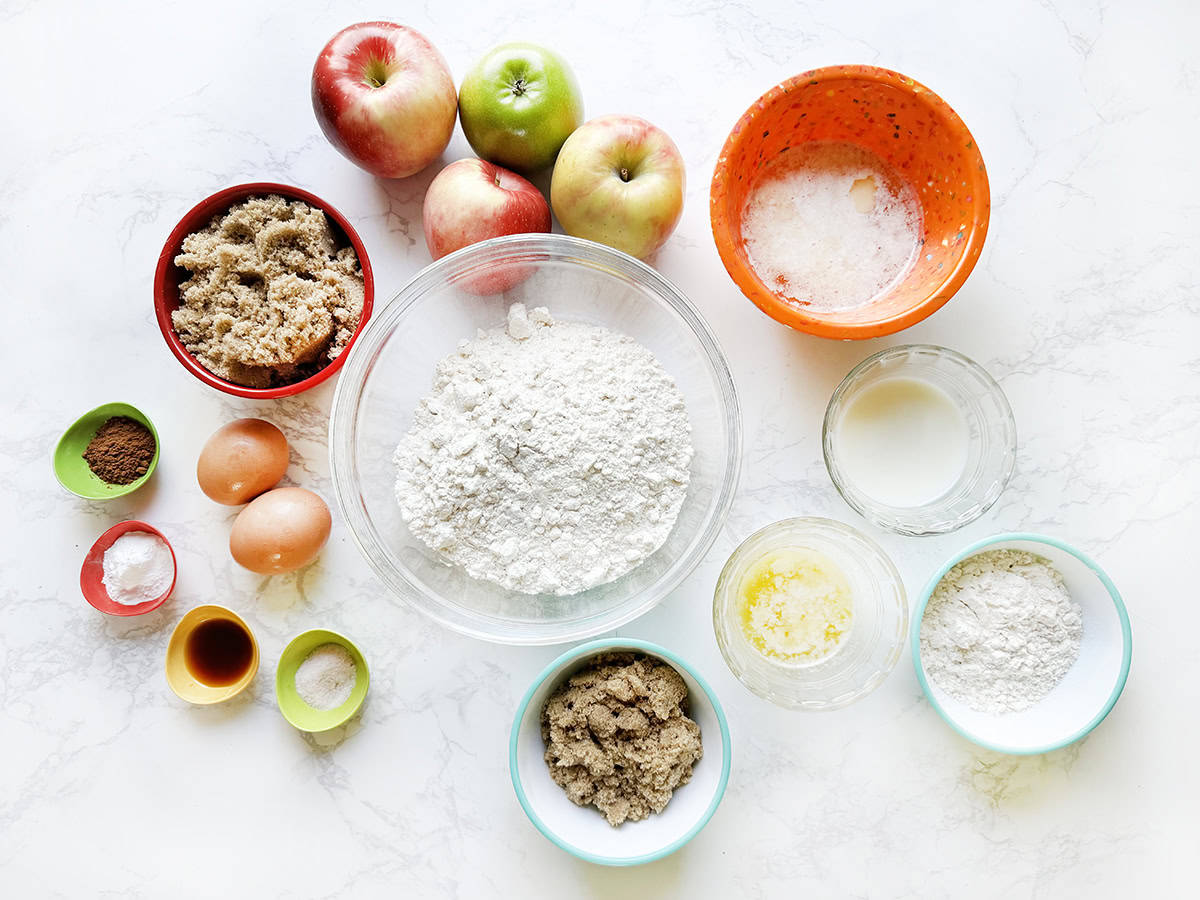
(73,471)
(292,705)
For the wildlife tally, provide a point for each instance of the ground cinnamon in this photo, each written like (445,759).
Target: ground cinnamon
(121,450)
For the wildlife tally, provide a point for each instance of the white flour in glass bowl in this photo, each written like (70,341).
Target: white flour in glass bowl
(551,457)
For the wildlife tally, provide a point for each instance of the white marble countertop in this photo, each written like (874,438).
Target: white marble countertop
(1083,306)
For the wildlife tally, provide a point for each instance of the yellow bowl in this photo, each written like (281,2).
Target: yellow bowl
(180,677)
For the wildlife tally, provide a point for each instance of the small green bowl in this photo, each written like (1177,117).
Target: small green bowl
(72,469)
(295,710)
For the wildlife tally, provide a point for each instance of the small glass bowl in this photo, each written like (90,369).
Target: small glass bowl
(868,652)
(991,438)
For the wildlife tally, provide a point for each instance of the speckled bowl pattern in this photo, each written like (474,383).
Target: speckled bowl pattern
(905,124)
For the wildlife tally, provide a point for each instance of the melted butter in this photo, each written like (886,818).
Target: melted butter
(862,192)
(795,605)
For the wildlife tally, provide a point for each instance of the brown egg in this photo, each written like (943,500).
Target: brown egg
(241,460)
(280,531)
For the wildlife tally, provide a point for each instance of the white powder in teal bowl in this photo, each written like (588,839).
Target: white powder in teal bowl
(326,678)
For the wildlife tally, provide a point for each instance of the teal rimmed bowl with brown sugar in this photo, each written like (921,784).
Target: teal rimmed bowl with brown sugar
(73,471)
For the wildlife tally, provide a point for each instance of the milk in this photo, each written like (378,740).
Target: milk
(902,441)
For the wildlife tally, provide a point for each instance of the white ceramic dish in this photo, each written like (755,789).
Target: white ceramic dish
(1091,687)
(582,831)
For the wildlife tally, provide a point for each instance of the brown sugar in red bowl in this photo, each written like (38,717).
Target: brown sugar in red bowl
(906,125)
(168,276)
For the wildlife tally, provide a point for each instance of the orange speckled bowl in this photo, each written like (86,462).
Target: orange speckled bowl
(909,127)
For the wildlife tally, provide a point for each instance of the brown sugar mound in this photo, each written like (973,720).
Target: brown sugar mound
(271,299)
(618,736)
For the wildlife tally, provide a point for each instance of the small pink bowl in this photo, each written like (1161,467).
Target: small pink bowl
(167,277)
(91,576)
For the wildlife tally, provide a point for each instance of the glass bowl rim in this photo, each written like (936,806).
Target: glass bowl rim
(801,524)
(880,514)
(350,385)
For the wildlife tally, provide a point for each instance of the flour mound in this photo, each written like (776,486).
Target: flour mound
(551,457)
(1000,631)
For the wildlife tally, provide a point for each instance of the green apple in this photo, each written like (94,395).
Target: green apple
(518,104)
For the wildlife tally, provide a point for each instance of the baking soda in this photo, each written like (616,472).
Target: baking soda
(138,568)
(830,226)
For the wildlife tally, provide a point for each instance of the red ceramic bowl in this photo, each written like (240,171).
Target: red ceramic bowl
(168,276)
(91,576)
(909,127)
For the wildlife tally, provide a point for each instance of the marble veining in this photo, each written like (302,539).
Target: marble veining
(1084,306)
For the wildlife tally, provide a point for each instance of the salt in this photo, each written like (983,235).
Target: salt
(830,226)
(327,677)
(138,568)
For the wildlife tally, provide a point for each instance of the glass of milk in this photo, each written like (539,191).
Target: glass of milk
(919,439)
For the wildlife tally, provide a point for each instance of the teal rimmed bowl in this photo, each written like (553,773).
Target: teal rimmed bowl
(1090,688)
(582,831)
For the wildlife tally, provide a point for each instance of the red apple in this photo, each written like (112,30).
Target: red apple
(384,97)
(472,200)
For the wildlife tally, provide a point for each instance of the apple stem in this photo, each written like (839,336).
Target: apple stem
(624,174)
(376,73)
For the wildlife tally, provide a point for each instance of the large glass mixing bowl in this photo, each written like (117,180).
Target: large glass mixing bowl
(392,367)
